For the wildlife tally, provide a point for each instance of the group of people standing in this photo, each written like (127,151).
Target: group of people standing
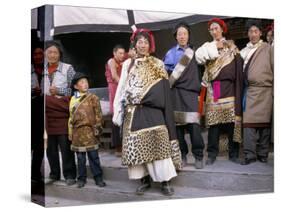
(156,102)
(71,124)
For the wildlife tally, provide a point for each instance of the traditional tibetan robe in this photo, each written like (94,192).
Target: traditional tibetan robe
(144,108)
(185,87)
(85,122)
(223,78)
(258,95)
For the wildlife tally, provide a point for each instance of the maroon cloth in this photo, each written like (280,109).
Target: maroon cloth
(57,114)
(112,85)
(108,74)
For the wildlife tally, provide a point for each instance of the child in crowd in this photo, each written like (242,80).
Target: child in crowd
(85,127)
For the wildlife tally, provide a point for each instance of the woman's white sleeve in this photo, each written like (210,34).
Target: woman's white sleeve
(119,96)
(208,51)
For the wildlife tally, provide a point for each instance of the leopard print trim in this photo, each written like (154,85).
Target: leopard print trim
(220,112)
(176,154)
(237,135)
(220,116)
(145,145)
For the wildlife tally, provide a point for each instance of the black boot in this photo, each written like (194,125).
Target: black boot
(234,157)
(210,160)
(262,159)
(247,161)
(145,184)
(233,154)
(166,188)
(81,183)
(99,181)
(235,160)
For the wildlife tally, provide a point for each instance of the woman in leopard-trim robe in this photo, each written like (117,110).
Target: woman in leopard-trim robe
(223,80)
(142,105)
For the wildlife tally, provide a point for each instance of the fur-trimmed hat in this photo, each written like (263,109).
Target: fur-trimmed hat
(219,22)
(150,36)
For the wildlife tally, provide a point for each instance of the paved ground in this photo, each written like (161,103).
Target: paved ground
(221,179)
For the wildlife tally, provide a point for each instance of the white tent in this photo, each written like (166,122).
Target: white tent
(69,19)
(71,16)
(88,34)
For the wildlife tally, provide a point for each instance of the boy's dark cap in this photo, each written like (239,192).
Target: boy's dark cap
(77,77)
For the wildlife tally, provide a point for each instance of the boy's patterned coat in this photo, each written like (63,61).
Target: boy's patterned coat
(85,123)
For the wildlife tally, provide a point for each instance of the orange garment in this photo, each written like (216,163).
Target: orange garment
(201,100)
(52,68)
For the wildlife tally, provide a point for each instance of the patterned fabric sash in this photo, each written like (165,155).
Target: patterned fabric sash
(76,106)
(214,67)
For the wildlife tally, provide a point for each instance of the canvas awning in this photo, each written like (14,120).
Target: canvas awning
(70,19)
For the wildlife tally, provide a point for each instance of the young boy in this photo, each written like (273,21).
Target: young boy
(85,126)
